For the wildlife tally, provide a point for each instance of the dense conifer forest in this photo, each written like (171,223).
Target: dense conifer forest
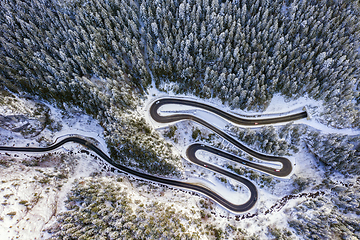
(103,56)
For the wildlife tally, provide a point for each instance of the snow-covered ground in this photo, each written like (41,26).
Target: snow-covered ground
(33,197)
(277,107)
(81,124)
(305,165)
(19,183)
(29,204)
(205,156)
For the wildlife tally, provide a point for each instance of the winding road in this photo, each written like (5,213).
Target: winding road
(191,152)
(205,191)
(230,117)
(286,164)
(192,149)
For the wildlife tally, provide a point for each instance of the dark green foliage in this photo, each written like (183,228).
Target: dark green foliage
(196,133)
(340,152)
(261,179)
(101,209)
(171,132)
(319,219)
(99,56)
(138,147)
(245,51)
(84,54)
(280,233)
(5,162)
(271,140)
(60,52)
(300,184)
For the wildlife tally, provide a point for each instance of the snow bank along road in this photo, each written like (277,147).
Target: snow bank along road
(235,208)
(190,152)
(286,169)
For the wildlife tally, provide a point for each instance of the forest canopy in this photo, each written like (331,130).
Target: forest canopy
(102,56)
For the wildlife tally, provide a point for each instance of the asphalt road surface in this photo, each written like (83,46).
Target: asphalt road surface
(191,152)
(230,117)
(197,188)
(286,164)
(286,168)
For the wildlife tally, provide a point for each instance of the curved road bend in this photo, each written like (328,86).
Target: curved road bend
(232,118)
(286,164)
(205,191)
(191,154)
